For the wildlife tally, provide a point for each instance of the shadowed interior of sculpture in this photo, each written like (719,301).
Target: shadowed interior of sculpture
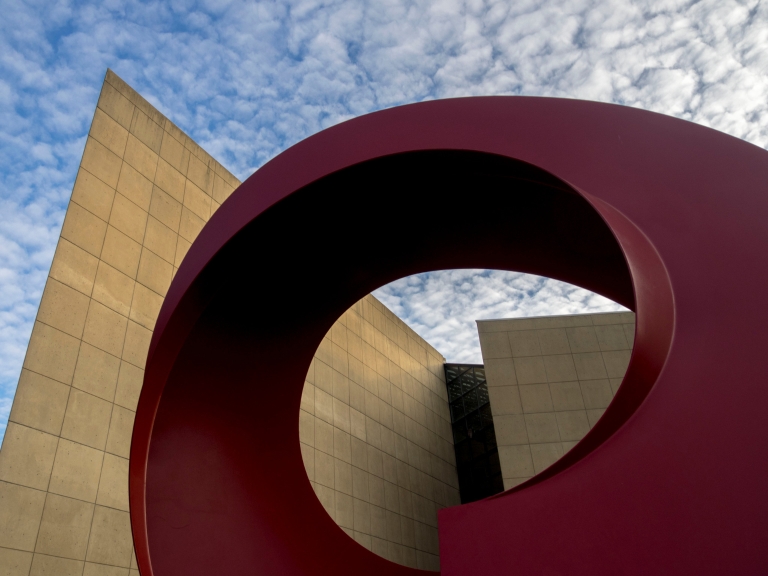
(227,417)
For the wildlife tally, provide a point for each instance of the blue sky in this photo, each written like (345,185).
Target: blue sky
(248,79)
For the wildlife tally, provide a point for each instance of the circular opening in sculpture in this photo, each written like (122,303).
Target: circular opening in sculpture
(394,429)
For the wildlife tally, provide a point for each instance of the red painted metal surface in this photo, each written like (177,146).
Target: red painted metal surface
(664,216)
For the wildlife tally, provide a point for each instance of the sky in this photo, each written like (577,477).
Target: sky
(442,307)
(248,79)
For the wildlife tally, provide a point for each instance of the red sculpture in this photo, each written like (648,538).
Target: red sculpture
(666,217)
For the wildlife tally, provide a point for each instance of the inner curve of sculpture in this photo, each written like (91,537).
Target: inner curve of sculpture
(596,195)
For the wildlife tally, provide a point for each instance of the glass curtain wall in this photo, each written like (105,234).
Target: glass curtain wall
(477,456)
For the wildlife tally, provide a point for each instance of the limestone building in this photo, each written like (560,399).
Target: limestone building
(375,423)
(549,380)
(143,192)
(376,435)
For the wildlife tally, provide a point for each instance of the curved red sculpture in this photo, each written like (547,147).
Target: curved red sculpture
(666,217)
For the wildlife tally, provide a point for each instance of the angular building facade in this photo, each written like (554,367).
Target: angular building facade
(549,380)
(376,436)
(379,429)
(143,192)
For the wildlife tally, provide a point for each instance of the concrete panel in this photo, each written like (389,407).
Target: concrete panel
(567,370)
(63,464)
(374,399)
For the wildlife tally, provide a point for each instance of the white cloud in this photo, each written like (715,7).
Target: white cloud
(247,79)
(442,307)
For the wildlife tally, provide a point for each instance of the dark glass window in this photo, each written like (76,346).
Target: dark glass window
(477,456)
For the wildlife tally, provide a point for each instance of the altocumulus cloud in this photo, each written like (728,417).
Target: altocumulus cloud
(442,307)
(247,79)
